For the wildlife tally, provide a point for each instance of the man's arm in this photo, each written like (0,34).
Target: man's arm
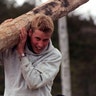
(43,74)
(22,42)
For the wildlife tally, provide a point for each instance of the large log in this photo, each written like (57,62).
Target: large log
(9,31)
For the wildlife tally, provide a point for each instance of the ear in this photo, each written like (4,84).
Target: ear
(30,32)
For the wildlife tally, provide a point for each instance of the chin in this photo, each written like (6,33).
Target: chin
(38,52)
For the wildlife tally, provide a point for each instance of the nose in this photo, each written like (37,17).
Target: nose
(40,44)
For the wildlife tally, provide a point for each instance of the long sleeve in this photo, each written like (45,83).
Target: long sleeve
(43,73)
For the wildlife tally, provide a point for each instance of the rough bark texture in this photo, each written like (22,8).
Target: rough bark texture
(9,31)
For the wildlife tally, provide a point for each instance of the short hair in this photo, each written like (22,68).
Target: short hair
(42,22)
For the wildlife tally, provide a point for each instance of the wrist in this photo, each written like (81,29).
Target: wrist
(22,55)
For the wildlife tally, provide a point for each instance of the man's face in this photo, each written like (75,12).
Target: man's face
(39,40)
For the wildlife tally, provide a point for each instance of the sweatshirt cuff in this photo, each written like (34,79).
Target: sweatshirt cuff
(24,60)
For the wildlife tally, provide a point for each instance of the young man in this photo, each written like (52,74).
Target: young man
(31,68)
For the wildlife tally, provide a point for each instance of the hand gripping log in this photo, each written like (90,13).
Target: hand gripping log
(9,31)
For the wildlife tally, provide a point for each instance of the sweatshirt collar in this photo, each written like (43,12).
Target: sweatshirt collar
(46,50)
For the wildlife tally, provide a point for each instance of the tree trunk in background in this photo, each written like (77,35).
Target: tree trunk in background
(9,31)
(65,67)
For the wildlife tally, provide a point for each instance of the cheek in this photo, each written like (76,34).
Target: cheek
(46,43)
(33,41)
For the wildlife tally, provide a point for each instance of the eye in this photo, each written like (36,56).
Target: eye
(46,40)
(37,38)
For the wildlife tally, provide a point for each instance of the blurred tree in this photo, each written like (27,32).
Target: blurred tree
(65,66)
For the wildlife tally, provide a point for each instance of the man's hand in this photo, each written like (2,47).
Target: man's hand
(22,42)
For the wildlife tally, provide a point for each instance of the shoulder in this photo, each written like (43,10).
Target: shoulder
(57,53)
(54,51)
(9,52)
(54,55)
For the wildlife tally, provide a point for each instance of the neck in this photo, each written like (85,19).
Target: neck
(29,45)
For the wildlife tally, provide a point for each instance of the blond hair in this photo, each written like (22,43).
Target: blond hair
(43,23)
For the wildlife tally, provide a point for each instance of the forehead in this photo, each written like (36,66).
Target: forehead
(42,34)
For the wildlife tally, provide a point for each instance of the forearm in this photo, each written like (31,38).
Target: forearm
(22,42)
(40,75)
(31,75)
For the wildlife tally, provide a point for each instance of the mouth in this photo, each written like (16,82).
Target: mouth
(38,50)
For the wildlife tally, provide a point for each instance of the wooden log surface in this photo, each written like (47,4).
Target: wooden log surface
(9,31)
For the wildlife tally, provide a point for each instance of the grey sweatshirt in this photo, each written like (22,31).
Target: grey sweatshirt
(31,75)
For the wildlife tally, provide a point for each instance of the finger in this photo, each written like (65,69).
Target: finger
(24,33)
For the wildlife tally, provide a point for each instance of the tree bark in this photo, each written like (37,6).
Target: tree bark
(9,31)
